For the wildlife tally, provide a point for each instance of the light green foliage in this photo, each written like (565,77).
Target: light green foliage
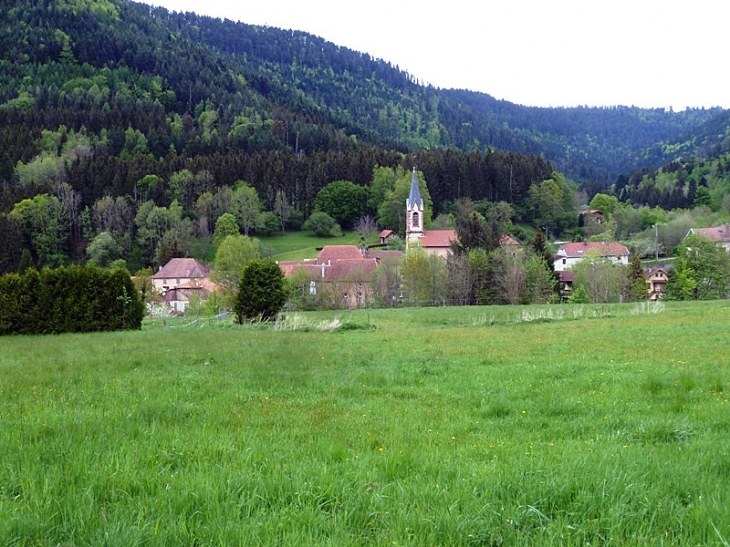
(423,278)
(134,142)
(181,187)
(429,428)
(268,223)
(40,174)
(343,200)
(321,224)
(579,296)
(605,203)
(382,183)
(283,208)
(225,226)
(44,221)
(24,101)
(386,283)
(300,294)
(245,205)
(546,202)
(104,249)
(541,283)
(154,222)
(603,279)
(146,185)
(701,271)
(104,8)
(233,255)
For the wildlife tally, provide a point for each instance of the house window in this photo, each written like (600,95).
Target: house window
(415,220)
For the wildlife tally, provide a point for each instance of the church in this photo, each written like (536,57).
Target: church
(436,242)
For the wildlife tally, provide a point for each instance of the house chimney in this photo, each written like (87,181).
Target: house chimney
(323,266)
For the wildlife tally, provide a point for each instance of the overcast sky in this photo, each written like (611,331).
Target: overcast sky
(647,53)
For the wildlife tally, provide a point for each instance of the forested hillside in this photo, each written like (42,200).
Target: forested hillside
(119,117)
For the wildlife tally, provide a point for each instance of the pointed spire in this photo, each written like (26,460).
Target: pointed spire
(415,196)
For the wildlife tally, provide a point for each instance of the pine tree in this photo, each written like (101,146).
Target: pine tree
(635,280)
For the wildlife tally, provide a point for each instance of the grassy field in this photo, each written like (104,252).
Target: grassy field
(301,245)
(557,425)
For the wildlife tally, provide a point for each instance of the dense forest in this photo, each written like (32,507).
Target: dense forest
(118,117)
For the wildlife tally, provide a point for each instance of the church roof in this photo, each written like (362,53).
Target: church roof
(415,194)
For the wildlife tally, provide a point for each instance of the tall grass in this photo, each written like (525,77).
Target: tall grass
(423,427)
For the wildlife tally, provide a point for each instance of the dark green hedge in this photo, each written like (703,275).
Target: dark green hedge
(72,299)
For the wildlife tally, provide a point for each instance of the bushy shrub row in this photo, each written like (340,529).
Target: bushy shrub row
(71,299)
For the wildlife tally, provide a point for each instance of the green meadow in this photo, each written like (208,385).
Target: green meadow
(301,245)
(562,425)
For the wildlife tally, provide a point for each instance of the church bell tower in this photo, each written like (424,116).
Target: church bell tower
(414,213)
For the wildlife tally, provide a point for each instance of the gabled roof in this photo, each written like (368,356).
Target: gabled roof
(655,270)
(507,239)
(330,253)
(415,194)
(351,269)
(580,249)
(720,234)
(204,283)
(290,266)
(386,234)
(181,268)
(314,270)
(438,238)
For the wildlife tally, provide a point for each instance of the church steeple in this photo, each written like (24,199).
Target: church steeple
(414,212)
(415,195)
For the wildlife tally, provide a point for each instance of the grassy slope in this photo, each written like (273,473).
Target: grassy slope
(460,426)
(301,245)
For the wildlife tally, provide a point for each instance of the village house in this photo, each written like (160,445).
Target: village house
(719,234)
(570,253)
(656,279)
(182,279)
(179,298)
(566,279)
(178,272)
(341,272)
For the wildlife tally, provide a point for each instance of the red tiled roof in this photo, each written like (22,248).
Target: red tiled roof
(507,239)
(719,233)
(291,266)
(181,268)
(437,238)
(386,234)
(338,252)
(205,283)
(580,249)
(351,269)
(567,276)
